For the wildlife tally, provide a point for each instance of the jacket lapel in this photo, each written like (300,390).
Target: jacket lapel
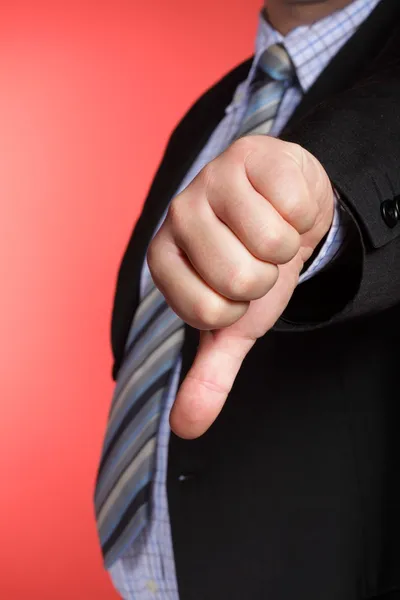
(356,56)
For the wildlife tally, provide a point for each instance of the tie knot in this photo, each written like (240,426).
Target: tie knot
(276,63)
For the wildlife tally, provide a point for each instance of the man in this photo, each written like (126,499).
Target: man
(280,480)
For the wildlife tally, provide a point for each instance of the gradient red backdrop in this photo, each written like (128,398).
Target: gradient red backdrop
(78,147)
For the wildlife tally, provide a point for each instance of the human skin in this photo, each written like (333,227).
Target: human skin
(285,15)
(228,257)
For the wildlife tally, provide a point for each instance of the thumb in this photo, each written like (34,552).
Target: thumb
(221,353)
(206,386)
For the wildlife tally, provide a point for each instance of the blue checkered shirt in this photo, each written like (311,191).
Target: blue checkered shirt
(147,571)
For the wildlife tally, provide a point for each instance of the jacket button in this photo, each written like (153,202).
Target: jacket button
(390,210)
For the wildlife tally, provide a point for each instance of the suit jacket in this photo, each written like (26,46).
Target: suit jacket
(293,492)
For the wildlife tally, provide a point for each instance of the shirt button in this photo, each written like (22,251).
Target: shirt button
(152,586)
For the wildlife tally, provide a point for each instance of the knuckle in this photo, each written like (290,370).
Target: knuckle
(296,153)
(243,285)
(241,147)
(269,244)
(290,246)
(208,312)
(301,210)
(254,285)
(303,214)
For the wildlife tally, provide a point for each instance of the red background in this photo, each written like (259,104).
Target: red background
(78,147)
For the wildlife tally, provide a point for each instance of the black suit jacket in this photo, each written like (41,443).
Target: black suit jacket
(293,492)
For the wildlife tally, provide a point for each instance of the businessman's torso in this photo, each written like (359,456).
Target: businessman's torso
(294,487)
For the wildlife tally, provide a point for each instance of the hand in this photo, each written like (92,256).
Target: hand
(228,256)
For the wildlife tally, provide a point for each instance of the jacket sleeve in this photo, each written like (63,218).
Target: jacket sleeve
(356,137)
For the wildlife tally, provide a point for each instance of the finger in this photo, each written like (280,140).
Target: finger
(220,355)
(208,383)
(216,253)
(256,223)
(187,294)
(276,172)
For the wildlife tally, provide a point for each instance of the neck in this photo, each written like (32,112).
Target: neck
(285,15)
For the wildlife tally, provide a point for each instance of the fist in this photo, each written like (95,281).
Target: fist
(228,256)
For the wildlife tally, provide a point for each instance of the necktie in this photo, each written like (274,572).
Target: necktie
(274,74)
(123,487)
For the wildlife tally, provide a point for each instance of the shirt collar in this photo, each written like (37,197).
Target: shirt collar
(311,47)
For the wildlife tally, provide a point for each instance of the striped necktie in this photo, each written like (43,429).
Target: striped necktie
(123,488)
(274,74)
